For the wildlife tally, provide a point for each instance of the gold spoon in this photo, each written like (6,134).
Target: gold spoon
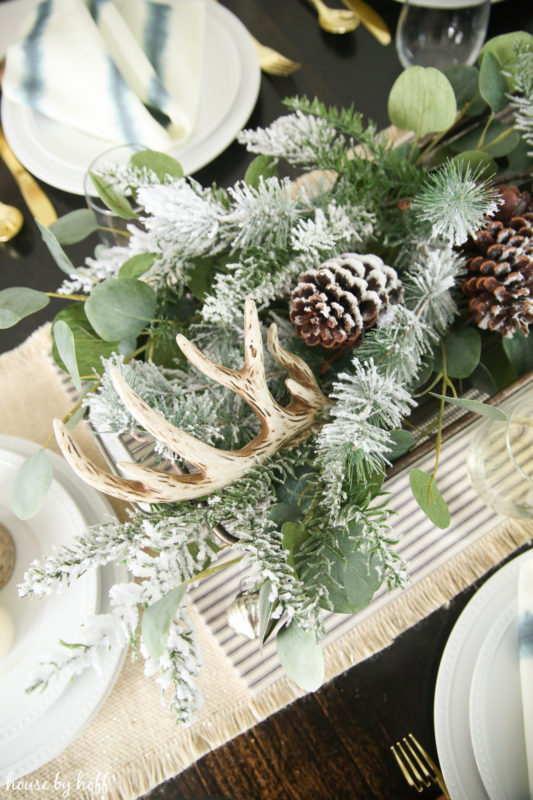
(11,221)
(335,20)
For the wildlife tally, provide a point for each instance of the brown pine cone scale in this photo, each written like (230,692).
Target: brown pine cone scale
(500,267)
(333,304)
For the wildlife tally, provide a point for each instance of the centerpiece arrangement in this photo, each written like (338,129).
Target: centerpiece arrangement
(376,272)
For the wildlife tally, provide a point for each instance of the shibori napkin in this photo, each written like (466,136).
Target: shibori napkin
(525,648)
(119,70)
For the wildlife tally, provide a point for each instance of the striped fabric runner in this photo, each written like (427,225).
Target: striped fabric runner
(422,546)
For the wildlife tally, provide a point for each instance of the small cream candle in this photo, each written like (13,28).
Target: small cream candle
(7,632)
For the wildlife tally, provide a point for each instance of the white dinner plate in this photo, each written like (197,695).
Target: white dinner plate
(496,722)
(59,154)
(45,737)
(454,683)
(38,624)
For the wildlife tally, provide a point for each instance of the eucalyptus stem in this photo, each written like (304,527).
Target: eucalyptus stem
(438,440)
(81,297)
(212,570)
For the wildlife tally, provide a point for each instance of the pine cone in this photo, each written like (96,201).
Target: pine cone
(500,267)
(334,304)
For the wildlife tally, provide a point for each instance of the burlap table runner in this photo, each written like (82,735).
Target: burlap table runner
(132,743)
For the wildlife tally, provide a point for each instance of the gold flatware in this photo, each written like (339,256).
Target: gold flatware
(272,62)
(372,21)
(11,221)
(417,767)
(335,20)
(36,200)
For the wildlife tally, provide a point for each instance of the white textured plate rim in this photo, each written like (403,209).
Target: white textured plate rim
(455,752)
(20,710)
(496,712)
(46,164)
(73,710)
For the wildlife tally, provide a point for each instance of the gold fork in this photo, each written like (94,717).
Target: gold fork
(272,62)
(335,20)
(417,767)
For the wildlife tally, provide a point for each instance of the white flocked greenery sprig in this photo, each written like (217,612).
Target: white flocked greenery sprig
(317,510)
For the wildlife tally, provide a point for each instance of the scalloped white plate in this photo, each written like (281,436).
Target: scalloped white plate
(38,624)
(496,720)
(455,745)
(60,155)
(45,737)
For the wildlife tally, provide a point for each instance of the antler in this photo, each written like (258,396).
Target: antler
(216,468)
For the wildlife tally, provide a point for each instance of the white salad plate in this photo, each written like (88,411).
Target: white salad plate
(59,154)
(496,724)
(478,682)
(37,624)
(48,722)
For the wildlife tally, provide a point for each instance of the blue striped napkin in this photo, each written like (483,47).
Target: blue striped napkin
(525,650)
(119,70)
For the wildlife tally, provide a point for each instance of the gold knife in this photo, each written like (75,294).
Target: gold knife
(36,200)
(370,19)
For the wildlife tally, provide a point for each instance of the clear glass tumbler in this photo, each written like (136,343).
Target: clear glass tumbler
(113,228)
(500,461)
(439,33)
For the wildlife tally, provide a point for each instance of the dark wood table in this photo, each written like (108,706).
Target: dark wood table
(334,744)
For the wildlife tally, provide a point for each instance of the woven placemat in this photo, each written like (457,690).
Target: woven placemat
(132,743)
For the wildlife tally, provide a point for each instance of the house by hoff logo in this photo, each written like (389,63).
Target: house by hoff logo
(97,785)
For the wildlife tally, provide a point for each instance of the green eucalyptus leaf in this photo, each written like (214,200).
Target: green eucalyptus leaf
(137,265)
(265,610)
(351,576)
(473,405)
(424,371)
(76,417)
(429,498)
(75,226)
(402,442)
(361,492)
(32,481)
(66,348)
(294,535)
(465,81)
(261,167)
(56,251)
(161,163)
(519,350)
(492,83)
(483,380)
(478,162)
(120,307)
(18,302)
(463,351)
(497,140)
(201,277)
(519,160)
(505,48)
(156,621)
(284,512)
(422,100)
(301,656)
(90,348)
(114,201)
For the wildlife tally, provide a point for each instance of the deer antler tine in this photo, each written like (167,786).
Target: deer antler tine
(236,380)
(189,447)
(121,488)
(301,383)
(218,468)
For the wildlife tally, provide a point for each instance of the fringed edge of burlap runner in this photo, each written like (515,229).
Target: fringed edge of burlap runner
(370,636)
